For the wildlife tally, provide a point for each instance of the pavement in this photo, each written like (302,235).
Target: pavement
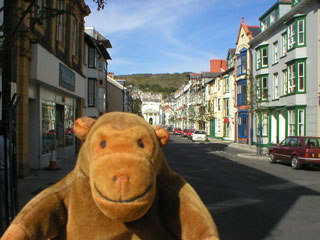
(40,179)
(247,151)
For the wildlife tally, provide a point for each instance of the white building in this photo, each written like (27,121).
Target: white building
(151,107)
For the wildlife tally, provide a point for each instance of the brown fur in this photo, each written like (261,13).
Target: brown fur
(120,188)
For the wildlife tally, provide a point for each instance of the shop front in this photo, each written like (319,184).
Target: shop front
(56,94)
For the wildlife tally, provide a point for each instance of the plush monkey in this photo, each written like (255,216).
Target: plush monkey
(120,188)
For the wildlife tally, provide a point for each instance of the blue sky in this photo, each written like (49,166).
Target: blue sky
(168,36)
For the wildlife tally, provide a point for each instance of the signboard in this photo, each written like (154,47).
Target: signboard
(66,78)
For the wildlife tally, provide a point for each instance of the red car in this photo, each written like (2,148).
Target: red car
(177,131)
(190,133)
(299,151)
(185,133)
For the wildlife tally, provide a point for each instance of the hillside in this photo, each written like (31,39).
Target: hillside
(164,83)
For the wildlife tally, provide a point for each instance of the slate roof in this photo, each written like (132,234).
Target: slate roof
(255,30)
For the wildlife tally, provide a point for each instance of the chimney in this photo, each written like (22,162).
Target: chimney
(110,74)
(218,65)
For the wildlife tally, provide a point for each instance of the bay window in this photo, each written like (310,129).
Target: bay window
(291,78)
(262,57)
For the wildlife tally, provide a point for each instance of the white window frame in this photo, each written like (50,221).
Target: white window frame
(301,76)
(258,52)
(275,52)
(276,86)
(292,122)
(284,82)
(284,44)
(291,35)
(301,123)
(300,32)
(292,78)
(264,88)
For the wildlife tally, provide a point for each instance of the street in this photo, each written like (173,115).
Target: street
(249,198)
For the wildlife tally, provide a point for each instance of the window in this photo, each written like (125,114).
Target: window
(291,35)
(301,76)
(275,86)
(226,107)
(219,104)
(91,92)
(219,85)
(275,52)
(291,78)
(60,21)
(74,42)
(242,62)
(291,122)
(264,124)
(284,44)
(91,57)
(38,8)
(284,83)
(300,122)
(218,125)
(68,123)
(262,87)
(300,35)
(296,33)
(48,126)
(262,57)
(226,85)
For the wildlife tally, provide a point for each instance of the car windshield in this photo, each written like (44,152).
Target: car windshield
(199,132)
(312,142)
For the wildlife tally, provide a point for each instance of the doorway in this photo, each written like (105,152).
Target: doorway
(60,125)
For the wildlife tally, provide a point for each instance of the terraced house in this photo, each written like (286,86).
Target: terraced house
(243,79)
(286,70)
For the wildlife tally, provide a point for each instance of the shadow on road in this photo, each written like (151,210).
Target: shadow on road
(246,203)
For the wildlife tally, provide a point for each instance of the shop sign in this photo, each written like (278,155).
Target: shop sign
(66,78)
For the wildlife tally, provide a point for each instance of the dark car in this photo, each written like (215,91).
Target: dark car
(184,133)
(296,150)
(177,131)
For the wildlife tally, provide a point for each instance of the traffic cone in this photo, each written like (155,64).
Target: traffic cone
(53,160)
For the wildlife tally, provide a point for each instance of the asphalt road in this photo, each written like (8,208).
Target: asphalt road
(249,198)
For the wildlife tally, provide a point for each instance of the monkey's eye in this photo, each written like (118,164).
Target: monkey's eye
(103,143)
(140,143)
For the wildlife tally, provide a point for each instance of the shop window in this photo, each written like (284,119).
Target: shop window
(68,123)
(48,126)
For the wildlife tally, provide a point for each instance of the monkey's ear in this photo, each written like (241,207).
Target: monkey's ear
(82,127)
(162,135)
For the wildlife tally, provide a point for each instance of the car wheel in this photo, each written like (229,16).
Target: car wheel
(295,163)
(272,158)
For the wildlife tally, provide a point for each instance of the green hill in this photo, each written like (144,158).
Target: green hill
(164,83)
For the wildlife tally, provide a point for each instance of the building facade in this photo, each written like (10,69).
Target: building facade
(286,70)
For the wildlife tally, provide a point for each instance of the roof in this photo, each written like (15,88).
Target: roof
(251,31)
(93,43)
(209,74)
(114,83)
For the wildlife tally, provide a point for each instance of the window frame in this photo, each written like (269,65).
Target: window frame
(60,21)
(262,57)
(92,56)
(276,88)
(275,52)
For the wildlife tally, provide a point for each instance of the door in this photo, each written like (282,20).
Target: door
(243,125)
(212,128)
(60,125)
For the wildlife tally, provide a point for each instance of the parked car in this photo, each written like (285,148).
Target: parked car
(199,135)
(296,150)
(184,133)
(177,131)
(190,133)
(169,129)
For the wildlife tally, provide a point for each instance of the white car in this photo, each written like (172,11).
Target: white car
(199,135)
